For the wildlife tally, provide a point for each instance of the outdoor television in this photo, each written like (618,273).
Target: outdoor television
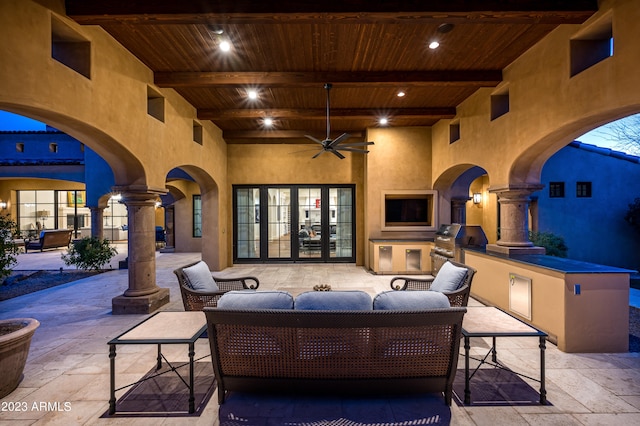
(408,210)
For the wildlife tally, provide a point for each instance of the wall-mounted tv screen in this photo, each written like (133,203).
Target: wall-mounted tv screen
(404,210)
(399,210)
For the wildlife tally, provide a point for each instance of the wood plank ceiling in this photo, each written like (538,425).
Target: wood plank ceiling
(287,50)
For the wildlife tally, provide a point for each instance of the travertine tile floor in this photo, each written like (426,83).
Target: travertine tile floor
(68,363)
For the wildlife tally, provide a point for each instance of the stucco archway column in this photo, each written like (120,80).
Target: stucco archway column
(143,295)
(459,210)
(97,222)
(514,220)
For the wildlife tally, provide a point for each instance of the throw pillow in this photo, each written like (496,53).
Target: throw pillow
(199,277)
(417,300)
(355,300)
(249,299)
(449,278)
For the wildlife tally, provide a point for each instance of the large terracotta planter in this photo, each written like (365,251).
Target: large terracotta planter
(15,339)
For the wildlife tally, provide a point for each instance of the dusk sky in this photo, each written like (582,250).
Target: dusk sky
(10,122)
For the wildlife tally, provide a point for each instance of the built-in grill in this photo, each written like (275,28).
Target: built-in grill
(449,241)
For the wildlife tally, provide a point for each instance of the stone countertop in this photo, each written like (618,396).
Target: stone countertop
(568,266)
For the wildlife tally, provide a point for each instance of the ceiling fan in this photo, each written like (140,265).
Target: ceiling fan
(336,145)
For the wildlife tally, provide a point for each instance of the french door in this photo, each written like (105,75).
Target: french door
(314,223)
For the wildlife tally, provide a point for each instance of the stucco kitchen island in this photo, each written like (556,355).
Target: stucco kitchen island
(584,307)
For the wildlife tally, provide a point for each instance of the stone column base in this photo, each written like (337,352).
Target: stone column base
(507,250)
(124,305)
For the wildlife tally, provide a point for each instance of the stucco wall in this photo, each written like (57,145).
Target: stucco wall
(593,228)
(548,107)
(292,164)
(108,111)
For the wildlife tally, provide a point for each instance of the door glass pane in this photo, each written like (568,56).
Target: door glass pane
(309,223)
(248,223)
(341,222)
(279,222)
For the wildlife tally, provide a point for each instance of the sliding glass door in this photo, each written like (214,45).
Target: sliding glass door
(294,223)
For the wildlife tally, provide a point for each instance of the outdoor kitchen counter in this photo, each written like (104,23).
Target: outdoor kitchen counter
(564,265)
(584,307)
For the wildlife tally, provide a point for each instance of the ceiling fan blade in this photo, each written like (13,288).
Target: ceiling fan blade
(340,156)
(363,151)
(356,144)
(318,153)
(339,139)
(313,139)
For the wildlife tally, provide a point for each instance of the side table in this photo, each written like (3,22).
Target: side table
(487,321)
(161,328)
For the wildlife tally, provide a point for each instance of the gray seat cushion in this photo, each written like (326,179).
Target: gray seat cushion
(355,300)
(199,278)
(410,300)
(449,278)
(249,299)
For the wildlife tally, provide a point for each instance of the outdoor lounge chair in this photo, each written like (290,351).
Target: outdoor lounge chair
(196,298)
(457,291)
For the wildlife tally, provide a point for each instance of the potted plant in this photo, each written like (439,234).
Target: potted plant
(15,340)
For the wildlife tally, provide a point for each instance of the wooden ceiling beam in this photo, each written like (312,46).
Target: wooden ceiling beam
(480,78)
(281,134)
(99,12)
(320,113)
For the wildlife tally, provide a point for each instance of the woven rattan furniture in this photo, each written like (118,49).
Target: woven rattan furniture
(459,297)
(375,352)
(197,300)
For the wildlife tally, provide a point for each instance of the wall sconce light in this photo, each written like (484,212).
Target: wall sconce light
(477,198)
(3,205)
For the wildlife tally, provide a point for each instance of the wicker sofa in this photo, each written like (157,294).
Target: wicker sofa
(302,349)
(196,299)
(454,280)
(50,238)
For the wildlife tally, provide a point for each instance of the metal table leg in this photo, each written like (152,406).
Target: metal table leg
(112,379)
(543,390)
(192,399)
(467,389)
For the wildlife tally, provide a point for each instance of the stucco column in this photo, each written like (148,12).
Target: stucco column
(97,224)
(514,220)
(459,210)
(143,295)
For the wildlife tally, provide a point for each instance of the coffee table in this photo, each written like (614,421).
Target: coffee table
(487,321)
(160,329)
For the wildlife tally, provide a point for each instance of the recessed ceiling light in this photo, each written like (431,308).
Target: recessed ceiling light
(225,46)
(434,45)
(445,28)
(401,94)
(383,121)
(252,94)
(268,122)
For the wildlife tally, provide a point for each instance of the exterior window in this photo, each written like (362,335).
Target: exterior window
(556,189)
(583,190)
(197,216)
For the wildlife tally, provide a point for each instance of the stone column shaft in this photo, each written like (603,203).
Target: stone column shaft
(97,223)
(143,295)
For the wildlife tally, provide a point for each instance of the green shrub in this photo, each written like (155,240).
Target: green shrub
(8,249)
(89,253)
(554,244)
